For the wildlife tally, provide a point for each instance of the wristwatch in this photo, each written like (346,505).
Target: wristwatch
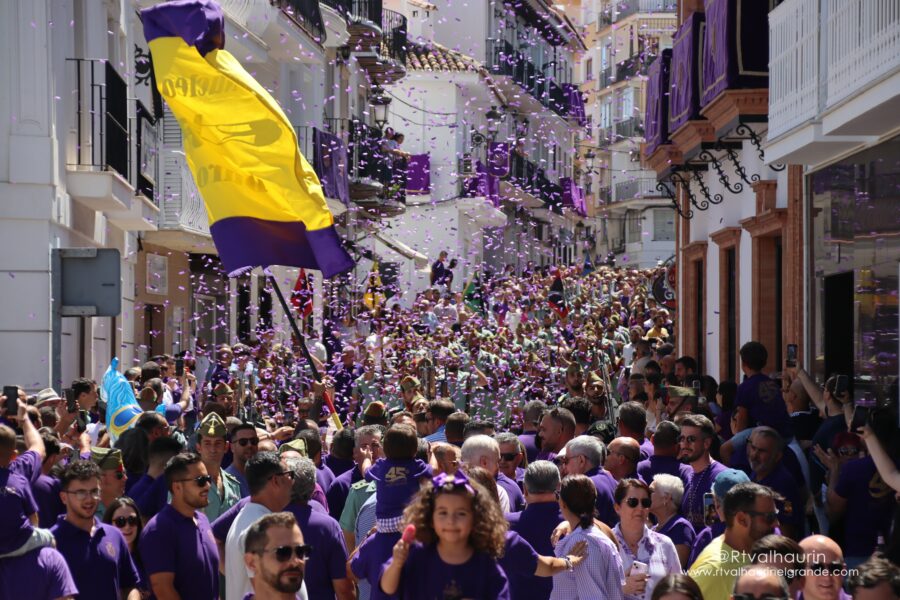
(569,566)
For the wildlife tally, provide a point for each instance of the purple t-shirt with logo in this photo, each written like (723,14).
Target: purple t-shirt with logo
(792,510)
(426,577)
(396,481)
(41,574)
(16,505)
(762,398)
(870,502)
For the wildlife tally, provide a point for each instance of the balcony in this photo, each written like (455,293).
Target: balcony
(328,158)
(364,26)
(833,77)
(306,14)
(504,60)
(384,55)
(636,189)
(630,7)
(628,129)
(531,179)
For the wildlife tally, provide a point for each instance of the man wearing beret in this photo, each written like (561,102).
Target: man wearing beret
(112,476)
(225,490)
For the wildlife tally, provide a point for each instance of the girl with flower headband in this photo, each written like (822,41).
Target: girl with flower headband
(460,533)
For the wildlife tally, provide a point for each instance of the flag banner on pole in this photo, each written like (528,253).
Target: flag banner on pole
(557,298)
(302,296)
(122,408)
(264,201)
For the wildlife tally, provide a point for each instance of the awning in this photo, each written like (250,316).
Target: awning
(402,249)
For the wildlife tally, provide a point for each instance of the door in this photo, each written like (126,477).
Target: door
(839,324)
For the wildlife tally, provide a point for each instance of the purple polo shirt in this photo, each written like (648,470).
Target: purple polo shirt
(324,476)
(535,524)
(606,487)
(516,497)
(338,466)
(150,495)
(699,484)
(28,465)
(545,455)
(369,560)
(519,562)
(792,510)
(41,574)
(870,504)
(173,543)
(340,488)
(101,563)
(16,505)
(762,398)
(678,530)
(427,577)
(646,449)
(329,558)
(528,441)
(222,523)
(668,465)
(46,495)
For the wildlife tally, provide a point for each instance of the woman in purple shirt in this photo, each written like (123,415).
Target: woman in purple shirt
(666,493)
(460,533)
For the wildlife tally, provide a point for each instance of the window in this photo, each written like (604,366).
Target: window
(589,69)
(663,225)
(633,225)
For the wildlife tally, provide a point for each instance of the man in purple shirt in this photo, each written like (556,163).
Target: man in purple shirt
(541,515)
(697,433)
(765,450)
(556,429)
(585,456)
(177,545)
(41,574)
(96,553)
(324,476)
(46,488)
(340,459)
(18,509)
(759,400)
(367,450)
(531,419)
(633,423)
(326,569)
(275,552)
(664,458)
(151,492)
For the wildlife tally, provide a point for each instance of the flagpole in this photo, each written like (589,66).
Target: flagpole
(316,375)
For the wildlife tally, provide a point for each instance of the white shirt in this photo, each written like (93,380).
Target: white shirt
(237,583)
(504,499)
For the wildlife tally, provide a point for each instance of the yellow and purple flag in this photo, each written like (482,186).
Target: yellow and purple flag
(264,201)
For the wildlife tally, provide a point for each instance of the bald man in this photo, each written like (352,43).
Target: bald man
(622,457)
(824,563)
(760,581)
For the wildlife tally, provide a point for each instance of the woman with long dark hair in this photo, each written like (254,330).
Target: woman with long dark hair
(124,514)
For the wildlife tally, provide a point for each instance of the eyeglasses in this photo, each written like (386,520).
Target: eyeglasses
(508,456)
(244,441)
(123,521)
(82,495)
(288,474)
(284,553)
(760,597)
(561,460)
(690,439)
(830,568)
(769,517)
(201,480)
(633,502)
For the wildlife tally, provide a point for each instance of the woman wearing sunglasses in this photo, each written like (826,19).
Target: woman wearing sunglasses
(647,556)
(124,514)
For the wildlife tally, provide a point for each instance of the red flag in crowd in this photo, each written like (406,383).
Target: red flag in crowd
(557,297)
(302,296)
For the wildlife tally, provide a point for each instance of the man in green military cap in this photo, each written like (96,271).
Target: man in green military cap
(211,446)
(112,476)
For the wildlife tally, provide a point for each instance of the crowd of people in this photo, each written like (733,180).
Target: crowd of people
(531,436)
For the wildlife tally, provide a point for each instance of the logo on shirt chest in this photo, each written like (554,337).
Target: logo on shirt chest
(110,549)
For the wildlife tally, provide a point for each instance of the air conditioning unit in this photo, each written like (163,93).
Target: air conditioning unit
(467,166)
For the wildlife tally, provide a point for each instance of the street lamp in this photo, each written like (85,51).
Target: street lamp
(380,103)
(494,117)
(590,156)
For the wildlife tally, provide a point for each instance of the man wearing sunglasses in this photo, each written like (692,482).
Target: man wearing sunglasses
(276,557)
(177,545)
(244,444)
(695,440)
(96,553)
(750,514)
(270,482)
(823,577)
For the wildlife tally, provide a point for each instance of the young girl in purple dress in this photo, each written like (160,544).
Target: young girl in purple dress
(460,534)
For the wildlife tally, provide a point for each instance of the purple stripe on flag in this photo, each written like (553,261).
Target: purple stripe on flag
(330,163)
(199,23)
(418,174)
(247,242)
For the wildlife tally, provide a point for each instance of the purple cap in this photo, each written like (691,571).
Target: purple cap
(173,411)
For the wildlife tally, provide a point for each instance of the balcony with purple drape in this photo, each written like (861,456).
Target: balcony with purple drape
(684,94)
(418,174)
(656,119)
(736,47)
(331,165)
(576,103)
(483,184)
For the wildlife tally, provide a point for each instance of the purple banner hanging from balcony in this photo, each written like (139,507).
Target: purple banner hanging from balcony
(498,159)
(684,95)
(572,196)
(330,164)
(656,119)
(483,184)
(735,47)
(576,103)
(418,174)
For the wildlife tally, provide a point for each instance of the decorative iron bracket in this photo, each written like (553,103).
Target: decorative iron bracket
(746,131)
(707,199)
(708,156)
(738,167)
(672,194)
